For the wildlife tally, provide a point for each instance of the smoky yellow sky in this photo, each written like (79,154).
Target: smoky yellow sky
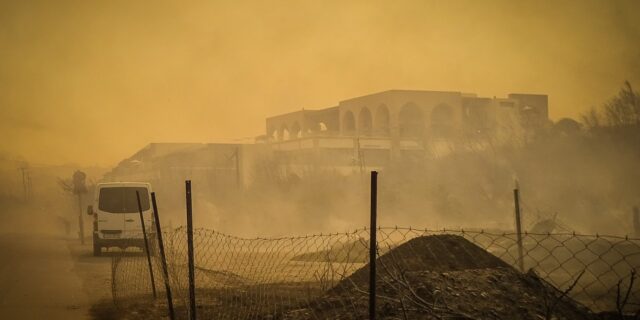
(91,82)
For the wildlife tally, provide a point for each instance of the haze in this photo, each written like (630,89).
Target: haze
(92,82)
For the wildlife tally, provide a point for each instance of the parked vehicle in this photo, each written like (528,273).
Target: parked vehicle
(116,215)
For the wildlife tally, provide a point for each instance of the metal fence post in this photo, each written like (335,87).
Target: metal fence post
(516,200)
(163,257)
(192,289)
(146,246)
(373,245)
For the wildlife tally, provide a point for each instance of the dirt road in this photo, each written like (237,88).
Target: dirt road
(50,277)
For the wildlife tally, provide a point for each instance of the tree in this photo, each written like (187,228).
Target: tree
(77,186)
(623,110)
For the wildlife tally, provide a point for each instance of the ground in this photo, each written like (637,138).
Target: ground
(46,273)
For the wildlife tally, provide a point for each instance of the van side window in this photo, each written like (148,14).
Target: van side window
(122,199)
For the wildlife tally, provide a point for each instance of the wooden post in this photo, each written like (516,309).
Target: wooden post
(373,245)
(146,246)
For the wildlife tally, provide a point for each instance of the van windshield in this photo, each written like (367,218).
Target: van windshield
(122,199)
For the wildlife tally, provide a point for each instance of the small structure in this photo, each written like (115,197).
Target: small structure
(215,168)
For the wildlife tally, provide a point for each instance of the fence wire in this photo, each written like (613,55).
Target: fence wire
(422,274)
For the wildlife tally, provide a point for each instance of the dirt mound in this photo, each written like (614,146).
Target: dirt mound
(432,253)
(442,253)
(443,276)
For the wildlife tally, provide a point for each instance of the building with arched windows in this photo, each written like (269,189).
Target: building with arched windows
(358,134)
(373,129)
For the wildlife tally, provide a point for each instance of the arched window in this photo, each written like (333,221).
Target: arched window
(381,121)
(441,121)
(348,123)
(273,135)
(365,122)
(283,133)
(296,132)
(411,121)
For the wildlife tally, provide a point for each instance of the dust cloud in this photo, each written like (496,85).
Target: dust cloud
(85,85)
(583,181)
(90,83)
(34,202)
(94,86)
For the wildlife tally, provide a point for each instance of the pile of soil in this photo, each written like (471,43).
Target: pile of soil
(432,253)
(443,276)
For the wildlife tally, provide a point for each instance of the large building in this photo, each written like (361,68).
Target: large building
(402,124)
(358,134)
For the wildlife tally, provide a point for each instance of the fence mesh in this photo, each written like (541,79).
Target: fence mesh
(431,273)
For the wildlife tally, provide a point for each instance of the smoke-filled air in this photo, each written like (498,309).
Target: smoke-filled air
(320,160)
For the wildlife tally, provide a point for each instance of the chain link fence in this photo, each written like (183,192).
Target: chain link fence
(422,274)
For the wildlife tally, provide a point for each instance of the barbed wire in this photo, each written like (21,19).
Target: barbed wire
(438,273)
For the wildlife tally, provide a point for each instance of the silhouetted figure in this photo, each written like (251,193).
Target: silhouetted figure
(636,222)
(66,224)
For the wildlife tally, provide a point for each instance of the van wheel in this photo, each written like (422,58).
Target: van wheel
(97,249)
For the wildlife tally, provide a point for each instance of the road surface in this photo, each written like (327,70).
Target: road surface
(48,276)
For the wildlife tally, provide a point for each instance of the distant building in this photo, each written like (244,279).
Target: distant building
(356,135)
(372,130)
(215,169)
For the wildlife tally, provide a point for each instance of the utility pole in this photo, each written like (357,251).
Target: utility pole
(236,166)
(25,182)
(238,177)
(29,186)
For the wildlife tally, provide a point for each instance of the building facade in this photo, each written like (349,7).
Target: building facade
(374,129)
(357,135)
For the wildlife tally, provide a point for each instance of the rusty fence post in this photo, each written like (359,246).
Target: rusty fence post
(192,287)
(373,245)
(146,246)
(516,200)
(163,257)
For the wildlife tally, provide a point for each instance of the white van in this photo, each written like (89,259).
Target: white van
(116,218)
